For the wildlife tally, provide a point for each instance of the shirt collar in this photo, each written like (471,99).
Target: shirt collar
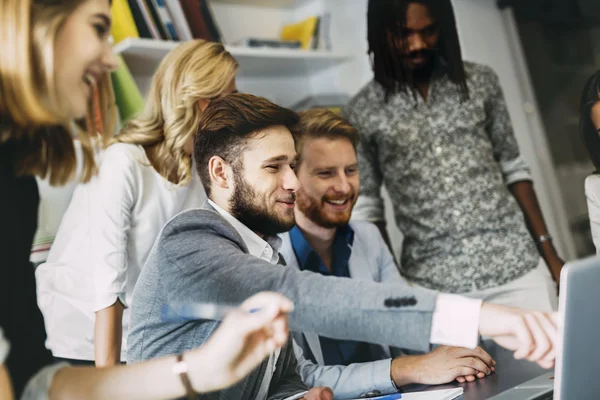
(303,249)
(257,246)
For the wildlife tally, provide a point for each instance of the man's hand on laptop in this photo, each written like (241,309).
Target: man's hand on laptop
(532,335)
(444,364)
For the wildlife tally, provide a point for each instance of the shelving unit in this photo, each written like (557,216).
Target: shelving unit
(143,56)
(265,3)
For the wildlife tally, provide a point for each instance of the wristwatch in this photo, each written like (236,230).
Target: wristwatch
(544,238)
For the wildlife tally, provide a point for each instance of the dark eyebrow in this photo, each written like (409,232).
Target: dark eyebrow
(280,158)
(105,18)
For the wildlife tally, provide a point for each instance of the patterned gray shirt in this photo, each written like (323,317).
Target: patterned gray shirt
(446,164)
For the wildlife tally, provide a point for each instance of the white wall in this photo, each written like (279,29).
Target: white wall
(484,39)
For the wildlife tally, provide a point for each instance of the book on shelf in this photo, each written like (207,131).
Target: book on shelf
(155,19)
(267,43)
(139,20)
(178,16)
(195,20)
(324,32)
(123,25)
(211,24)
(165,19)
(147,18)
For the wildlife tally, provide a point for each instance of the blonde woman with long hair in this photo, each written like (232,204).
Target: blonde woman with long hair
(51,54)
(145,177)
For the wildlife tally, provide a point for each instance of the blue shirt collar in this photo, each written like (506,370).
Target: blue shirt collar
(344,238)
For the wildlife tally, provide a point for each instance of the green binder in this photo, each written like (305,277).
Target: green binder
(127,94)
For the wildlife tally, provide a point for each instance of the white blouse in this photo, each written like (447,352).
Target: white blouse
(592,193)
(102,244)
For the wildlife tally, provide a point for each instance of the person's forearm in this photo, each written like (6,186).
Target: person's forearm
(402,371)
(6,392)
(108,335)
(527,199)
(145,381)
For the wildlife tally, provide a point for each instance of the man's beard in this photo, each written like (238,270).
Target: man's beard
(257,217)
(422,73)
(313,210)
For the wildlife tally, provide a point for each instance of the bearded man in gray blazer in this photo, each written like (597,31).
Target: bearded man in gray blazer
(229,250)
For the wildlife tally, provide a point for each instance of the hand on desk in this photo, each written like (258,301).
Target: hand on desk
(532,335)
(319,393)
(242,341)
(442,365)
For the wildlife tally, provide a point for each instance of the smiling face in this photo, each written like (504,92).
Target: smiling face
(329,180)
(265,184)
(83,55)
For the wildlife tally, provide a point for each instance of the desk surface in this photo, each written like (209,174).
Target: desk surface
(509,373)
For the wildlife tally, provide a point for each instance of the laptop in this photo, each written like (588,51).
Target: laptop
(578,352)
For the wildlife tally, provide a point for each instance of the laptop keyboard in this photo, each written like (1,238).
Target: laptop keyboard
(545,396)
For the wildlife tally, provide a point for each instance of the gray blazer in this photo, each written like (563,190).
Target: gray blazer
(198,256)
(370,261)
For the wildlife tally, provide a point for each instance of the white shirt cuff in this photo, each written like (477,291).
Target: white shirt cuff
(382,377)
(455,321)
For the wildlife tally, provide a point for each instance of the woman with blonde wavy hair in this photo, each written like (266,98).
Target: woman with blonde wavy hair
(145,177)
(52,53)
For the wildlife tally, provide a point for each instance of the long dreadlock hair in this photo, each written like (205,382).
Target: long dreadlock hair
(386,19)
(590,95)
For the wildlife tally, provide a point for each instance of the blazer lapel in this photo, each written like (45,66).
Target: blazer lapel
(314,344)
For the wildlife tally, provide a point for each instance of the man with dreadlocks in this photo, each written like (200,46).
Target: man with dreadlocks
(435,130)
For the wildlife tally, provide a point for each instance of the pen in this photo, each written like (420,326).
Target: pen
(393,396)
(296,396)
(178,312)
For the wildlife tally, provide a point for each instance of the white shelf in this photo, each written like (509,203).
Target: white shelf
(265,3)
(143,56)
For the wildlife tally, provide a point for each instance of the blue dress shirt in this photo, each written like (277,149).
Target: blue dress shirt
(335,352)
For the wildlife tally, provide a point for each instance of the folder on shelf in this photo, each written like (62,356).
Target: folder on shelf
(156,19)
(138,18)
(143,7)
(193,15)
(123,25)
(209,19)
(305,31)
(127,94)
(178,17)
(165,19)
